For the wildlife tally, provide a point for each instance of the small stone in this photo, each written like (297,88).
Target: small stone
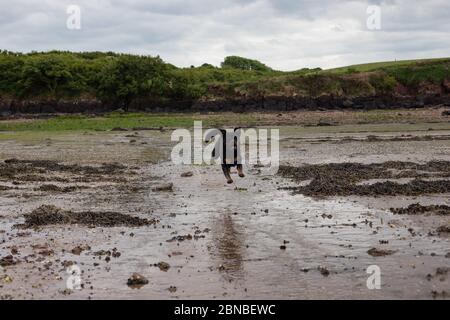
(163,187)
(137,280)
(7,279)
(163,266)
(374,252)
(187,174)
(324,271)
(172,289)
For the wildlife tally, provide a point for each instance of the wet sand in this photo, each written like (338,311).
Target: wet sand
(209,240)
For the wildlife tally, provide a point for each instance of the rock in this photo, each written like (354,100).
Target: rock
(348,103)
(77,250)
(436,294)
(163,187)
(163,266)
(324,271)
(66,292)
(7,261)
(443,271)
(443,229)
(374,252)
(180,238)
(7,279)
(172,289)
(137,280)
(446,113)
(324,124)
(187,174)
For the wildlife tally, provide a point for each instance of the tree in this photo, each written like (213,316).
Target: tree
(127,77)
(244,64)
(10,72)
(44,75)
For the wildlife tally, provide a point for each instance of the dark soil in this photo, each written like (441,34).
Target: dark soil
(54,188)
(163,187)
(374,252)
(51,215)
(24,169)
(341,179)
(373,138)
(444,229)
(8,261)
(415,208)
(358,172)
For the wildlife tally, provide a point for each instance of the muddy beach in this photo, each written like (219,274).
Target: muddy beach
(137,226)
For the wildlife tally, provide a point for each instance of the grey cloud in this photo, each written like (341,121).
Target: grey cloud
(286,34)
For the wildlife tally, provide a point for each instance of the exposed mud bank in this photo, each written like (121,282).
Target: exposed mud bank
(50,215)
(209,240)
(238,104)
(16,170)
(373,138)
(416,208)
(343,179)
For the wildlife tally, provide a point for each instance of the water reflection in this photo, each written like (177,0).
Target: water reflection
(229,246)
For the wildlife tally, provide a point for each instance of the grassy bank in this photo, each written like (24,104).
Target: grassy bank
(155,121)
(376,66)
(121,80)
(124,121)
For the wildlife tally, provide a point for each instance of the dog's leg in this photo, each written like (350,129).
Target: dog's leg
(226,172)
(239,170)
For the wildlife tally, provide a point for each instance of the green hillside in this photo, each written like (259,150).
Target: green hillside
(374,66)
(122,79)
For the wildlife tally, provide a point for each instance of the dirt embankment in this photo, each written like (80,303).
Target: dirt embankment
(235,104)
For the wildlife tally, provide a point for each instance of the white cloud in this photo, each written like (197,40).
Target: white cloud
(285,34)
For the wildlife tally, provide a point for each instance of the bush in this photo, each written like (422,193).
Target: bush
(383,83)
(244,64)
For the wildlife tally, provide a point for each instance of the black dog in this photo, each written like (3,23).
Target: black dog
(226,166)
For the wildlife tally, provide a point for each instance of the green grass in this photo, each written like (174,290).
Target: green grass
(374,66)
(126,121)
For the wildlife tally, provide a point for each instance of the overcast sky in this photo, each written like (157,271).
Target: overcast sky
(284,34)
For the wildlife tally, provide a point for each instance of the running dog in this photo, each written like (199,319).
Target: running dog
(227,162)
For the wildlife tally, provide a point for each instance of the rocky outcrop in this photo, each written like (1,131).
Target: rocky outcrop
(241,104)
